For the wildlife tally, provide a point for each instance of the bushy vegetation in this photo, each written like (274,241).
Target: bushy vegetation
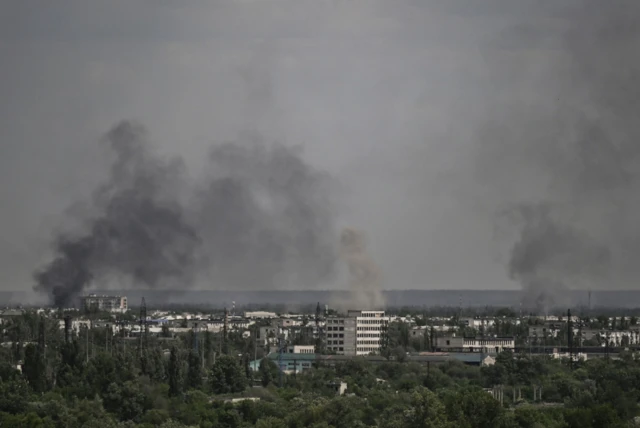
(169,384)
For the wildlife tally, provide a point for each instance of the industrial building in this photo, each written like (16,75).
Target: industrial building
(486,345)
(359,333)
(94,302)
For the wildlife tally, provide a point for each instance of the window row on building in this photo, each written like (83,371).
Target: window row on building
(367,349)
(368,342)
(368,328)
(375,322)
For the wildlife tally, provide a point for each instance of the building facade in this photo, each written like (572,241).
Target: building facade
(359,333)
(301,349)
(489,345)
(94,302)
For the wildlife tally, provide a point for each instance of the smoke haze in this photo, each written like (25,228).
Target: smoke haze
(365,278)
(432,118)
(579,231)
(262,220)
(266,218)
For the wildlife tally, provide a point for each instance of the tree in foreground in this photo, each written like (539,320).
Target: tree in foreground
(227,376)
(175,382)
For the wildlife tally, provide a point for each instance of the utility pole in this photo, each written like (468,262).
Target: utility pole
(87,341)
(67,329)
(122,334)
(255,345)
(195,337)
(225,331)
(202,348)
(143,327)
(280,347)
(570,338)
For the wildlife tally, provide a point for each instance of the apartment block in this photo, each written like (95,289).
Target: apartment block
(359,333)
(94,302)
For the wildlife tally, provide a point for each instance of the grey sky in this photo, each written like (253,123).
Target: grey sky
(387,96)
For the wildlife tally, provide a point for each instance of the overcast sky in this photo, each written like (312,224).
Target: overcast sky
(385,95)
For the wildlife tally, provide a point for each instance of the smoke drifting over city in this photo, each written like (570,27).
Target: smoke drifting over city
(262,216)
(580,232)
(479,145)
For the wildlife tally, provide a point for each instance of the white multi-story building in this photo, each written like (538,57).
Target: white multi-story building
(371,327)
(359,333)
(94,302)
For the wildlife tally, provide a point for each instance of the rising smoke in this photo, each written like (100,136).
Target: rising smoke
(266,217)
(548,255)
(582,147)
(364,275)
(261,218)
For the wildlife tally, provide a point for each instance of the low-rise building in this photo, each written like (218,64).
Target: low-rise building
(488,345)
(301,349)
(94,302)
(614,338)
(260,314)
(547,329)
(288,363)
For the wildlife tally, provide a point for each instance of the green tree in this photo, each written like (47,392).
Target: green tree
(471,407)
(227,376)
(268,371)
(194,374)
(174,373)
(71,365)
(126,401)
(14,395)
(426,411)
(34,368)
(271,422)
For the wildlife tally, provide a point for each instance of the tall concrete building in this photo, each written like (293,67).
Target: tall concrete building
(359,333)
(94,302)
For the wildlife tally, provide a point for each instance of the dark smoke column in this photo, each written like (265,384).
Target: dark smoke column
(139,234)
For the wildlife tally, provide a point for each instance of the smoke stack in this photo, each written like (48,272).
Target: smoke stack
(67,329)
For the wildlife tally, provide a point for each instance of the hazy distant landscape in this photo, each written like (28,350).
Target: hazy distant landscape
(394,298)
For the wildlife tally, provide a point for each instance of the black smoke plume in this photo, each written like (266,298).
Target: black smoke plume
(261,218)
(140,231)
